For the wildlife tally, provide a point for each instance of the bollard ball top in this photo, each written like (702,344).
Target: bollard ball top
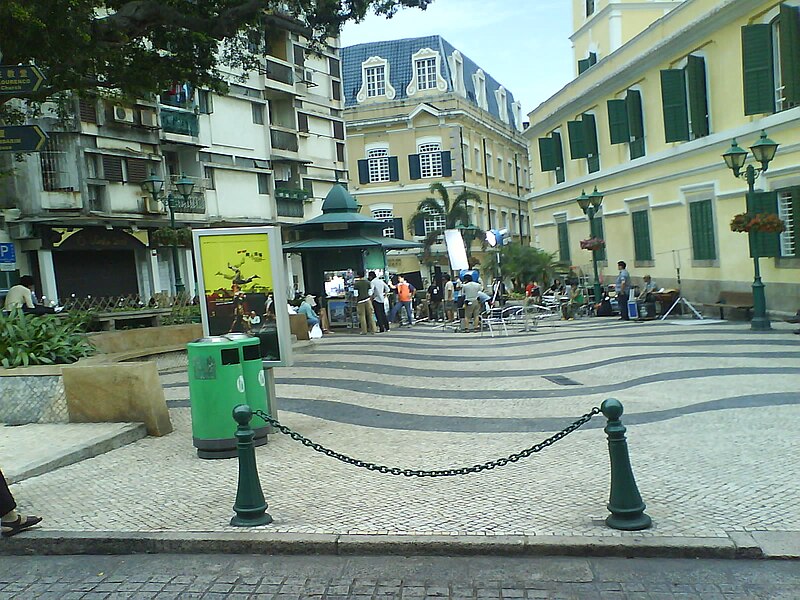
(242,414)
(612,409)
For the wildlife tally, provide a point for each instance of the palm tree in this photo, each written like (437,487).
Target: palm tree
(454,214)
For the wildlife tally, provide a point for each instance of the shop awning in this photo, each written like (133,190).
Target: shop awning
(350,242)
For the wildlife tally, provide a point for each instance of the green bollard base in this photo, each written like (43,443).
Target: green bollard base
(264,519)
(630,523)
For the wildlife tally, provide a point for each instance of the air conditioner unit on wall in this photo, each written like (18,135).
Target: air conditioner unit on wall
(308,78)
(123,114)
(149,119)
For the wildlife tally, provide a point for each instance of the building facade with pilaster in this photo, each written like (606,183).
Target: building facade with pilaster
(647,122)
(420,112)
(265,153)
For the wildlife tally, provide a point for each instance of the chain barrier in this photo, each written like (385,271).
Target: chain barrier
(500,462)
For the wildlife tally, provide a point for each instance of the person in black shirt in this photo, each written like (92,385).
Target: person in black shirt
(435,297)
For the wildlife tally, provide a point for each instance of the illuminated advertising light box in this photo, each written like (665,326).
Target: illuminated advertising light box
(241,276)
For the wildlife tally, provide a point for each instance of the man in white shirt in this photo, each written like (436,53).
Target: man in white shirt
(21,295)
(472,306)
(379,289)
(449,298)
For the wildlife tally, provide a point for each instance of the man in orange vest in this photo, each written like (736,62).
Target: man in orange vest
(405,292)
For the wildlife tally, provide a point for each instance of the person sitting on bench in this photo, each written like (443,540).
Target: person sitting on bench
(21,296)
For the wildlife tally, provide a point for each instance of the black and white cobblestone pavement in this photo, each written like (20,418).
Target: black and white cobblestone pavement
(712,411)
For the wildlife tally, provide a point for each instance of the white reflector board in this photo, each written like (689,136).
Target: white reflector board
(455,250)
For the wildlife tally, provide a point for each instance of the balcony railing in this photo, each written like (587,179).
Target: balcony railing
(278,72)
(180,122)
(289,207)
(196,202)
(283,140)
(284,193)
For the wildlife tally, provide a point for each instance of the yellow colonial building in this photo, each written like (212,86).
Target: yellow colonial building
(662,89)
(419,112)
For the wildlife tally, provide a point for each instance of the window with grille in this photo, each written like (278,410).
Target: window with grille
(435,222)
(378,159)
(55,175)
(387,216)
(788,201)
(430,160)
(426,73)
(376,81)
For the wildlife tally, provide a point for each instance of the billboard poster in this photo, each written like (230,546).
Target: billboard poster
(241,275)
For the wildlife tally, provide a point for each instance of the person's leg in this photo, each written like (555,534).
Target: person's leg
(477,316)
(370,316)
(380,315)
(312,321)
(11,522)
(622,301)
(394,311)
(7,503)
(361,309)
(409,312)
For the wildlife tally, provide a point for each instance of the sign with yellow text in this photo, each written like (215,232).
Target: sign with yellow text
(241,274)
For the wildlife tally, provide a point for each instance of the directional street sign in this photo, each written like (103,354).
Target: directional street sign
(15,79)
(22,138)
(8,257)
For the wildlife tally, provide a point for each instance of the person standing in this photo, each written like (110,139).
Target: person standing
(366,316)
(11,522)
(379,290)
(472,305)
(405,294)
(449,299)
(623,288)
(435,297)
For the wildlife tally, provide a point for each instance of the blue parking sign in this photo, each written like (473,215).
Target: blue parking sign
(8,254)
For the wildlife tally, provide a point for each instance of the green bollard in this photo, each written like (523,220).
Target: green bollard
(625,503)
(250,506)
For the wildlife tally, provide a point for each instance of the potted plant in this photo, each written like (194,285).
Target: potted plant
(167,236)
(593,244)
(757,223)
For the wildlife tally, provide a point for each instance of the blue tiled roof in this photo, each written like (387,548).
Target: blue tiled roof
(398,53)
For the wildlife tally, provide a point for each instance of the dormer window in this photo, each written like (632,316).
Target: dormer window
(457,72)
(426,72)
(375,81)
(479,81)
(589,8)
(502,106)
(516,108)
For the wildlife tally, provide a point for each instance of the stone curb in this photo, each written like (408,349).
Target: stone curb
(738,545)
(97,445)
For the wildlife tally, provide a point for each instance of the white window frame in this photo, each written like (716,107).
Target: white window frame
(516,109)
(501,169)
(788,238)
(425,72)
(385,214)
(434,222)
(375,64)
(501,96)
(489,164)
(425,55)
(430,159)
(479,81)
(456,62)
(478,160)
(378,163)
(465,149)
(376,81)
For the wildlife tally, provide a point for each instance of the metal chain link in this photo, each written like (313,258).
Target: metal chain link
(500,462)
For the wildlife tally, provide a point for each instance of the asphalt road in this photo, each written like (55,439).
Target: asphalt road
(388,578)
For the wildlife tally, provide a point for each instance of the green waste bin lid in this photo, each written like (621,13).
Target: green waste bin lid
(214,339)
(238,336)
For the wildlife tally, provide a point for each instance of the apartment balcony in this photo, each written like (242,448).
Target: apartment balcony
(290,202)
(280,79)
(179,122)
(283,140)
(196,202)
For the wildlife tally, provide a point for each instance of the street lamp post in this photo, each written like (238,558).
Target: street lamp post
(589,205)
(763,151)
(155,187)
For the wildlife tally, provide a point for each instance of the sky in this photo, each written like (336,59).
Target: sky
(523,44)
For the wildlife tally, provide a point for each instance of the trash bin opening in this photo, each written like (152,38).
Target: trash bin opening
(230,356)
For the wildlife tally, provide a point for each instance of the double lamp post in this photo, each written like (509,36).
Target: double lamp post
(763,151)
(590,204)
(155,187)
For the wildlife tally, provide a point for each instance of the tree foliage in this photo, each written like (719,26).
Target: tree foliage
(454,212)
(523,263)
(140,47)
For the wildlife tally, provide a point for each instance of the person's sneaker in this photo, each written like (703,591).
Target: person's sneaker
(21,524)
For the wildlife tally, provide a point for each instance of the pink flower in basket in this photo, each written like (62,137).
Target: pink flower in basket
(594,244)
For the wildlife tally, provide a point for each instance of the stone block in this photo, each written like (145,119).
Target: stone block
(121,392)
(130,340)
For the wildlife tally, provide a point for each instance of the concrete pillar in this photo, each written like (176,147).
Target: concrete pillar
(47,273)
(187,271)
(153,272)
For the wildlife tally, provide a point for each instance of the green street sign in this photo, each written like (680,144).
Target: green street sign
(22,138)
(15,79)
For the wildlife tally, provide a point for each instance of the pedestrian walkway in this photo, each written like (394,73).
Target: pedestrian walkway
(710,412)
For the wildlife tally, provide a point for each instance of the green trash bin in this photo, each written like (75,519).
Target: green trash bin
(216,385)
(255,389)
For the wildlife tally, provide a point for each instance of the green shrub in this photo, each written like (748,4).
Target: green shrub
(41,340)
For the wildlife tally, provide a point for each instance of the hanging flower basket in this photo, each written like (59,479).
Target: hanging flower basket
(166,236)
(757,223)
(593,244)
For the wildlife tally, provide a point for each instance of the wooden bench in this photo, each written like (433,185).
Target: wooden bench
(735,300)
(108,320)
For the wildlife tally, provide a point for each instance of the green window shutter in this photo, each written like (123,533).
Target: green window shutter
(397,224)
(618,122)
(598,231)
(763,244)
(583,64)
(414,170)
(592,58)
(547,157)
(637,148)
(673,100)
(641,236)
(394,169)
(702,226)
(590,134)
(447,165)
(577,146)
(563,243)
(757,75)
(698,102)
(363,171)
(790,54)
(633,103)
(419,227)
(796,220)
(558,152)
